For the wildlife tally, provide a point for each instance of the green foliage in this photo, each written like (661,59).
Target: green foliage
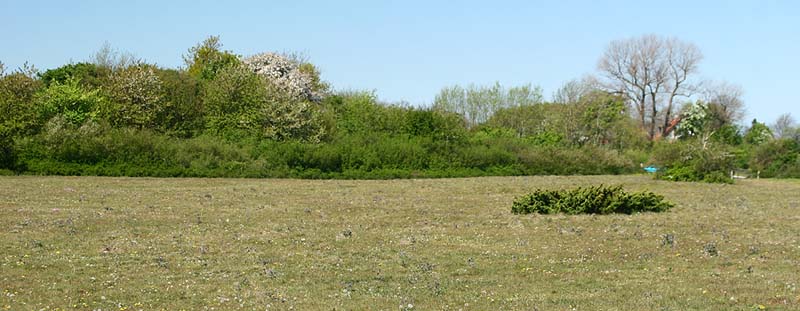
(441,126)
(290,120)
(94,149)
(183,109)
(7,154)
(596,118)
(708,121)
(777,158)
(477,104)
(271,114)
(69,100)
(694,161)
(590,200)
(317,84)
(360,113)
(604,120)
(90,75)
(728,135)
(717,177)
(530,120)
(232,102)
(587,160)
(545,138)
(542,120)
(758,133)
(239,103)
(136,97)
(206,59)
(17,112)
(17,107)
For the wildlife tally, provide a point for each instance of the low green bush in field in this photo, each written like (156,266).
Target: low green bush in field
(590,200)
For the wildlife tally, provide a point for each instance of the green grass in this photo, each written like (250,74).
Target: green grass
(436,244)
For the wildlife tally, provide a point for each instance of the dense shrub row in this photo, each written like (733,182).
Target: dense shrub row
(271,115)
(92,149)
(590,200)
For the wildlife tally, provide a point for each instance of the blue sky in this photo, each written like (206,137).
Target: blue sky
(408,50)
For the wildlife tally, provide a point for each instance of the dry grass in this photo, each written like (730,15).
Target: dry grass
(140,243)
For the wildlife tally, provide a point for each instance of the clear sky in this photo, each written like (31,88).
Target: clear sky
(408,50)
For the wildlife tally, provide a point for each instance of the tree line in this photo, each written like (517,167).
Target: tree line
(272,115)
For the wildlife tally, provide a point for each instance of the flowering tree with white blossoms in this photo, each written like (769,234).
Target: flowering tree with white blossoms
(136,97)
(286,75)
(238,100)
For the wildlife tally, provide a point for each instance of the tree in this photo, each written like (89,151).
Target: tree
(17,93)
(705,121)
(652,72)
(136,97)
(545,119)
(725,103)
(207,58)
(17,110)
(232,101)
(288,76)
(183,105)
(758,133)
(69,101)
(477,104)
(605,120)
(241,103)
(90,75)
(785,126)
(694,120)
(109,58)
(572,91)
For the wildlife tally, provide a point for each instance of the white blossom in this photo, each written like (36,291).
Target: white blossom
(284,74)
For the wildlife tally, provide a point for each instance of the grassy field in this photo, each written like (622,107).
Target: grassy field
(439,244)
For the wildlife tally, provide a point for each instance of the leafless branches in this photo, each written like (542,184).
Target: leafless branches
(651,72)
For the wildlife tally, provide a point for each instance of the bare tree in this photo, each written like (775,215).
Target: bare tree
(651,72)
(785,126)
(724,102)
(113,59)
(572,91)
(682,60)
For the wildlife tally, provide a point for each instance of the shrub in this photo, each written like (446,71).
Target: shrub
(17,109)
(777,158)
(136,98)
(242,104)
(591,200)
(694,161)
(7,156)
(69,100)
(17,112)
(360,112)
(183,111)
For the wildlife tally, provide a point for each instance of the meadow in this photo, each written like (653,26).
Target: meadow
(111,243)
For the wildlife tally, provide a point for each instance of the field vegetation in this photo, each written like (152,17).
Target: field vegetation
(108,243)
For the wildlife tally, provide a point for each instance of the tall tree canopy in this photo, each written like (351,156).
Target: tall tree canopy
(652,72)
